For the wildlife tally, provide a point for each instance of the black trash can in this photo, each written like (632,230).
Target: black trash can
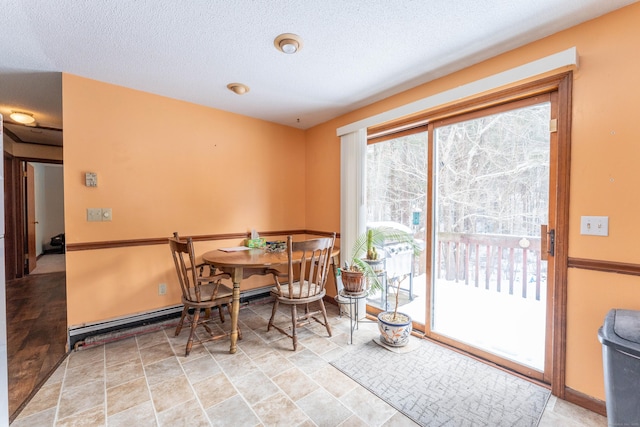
(620,338)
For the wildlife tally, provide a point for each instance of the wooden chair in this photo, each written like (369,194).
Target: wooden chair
(303,283)
(199,292)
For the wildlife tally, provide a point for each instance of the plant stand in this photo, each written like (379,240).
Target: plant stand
(353,299)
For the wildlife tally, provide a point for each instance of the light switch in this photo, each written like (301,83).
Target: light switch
(594,225)
(99,214)
(94,214)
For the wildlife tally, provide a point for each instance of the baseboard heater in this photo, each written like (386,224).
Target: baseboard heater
(97,333)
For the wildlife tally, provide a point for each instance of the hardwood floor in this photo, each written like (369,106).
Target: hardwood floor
(36,333)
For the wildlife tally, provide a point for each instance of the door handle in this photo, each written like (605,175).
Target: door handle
(547,242)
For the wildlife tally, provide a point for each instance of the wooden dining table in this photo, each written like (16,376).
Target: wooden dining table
(240,264)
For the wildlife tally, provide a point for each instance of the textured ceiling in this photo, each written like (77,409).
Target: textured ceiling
(355,51)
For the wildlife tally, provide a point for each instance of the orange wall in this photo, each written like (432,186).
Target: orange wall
(227,168)
(164,165)
(604,171)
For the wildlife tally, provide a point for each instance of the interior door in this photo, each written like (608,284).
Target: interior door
(492,261)
(31,217)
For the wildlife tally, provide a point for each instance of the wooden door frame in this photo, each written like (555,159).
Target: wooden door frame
(13,219)
(562,85)
(559,325)
(15,212)
(545,375)
(29,185)
(561,88)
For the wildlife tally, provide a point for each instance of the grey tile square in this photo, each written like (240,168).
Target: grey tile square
(271,411)
(255,387)
(126,396)
(157,352)
(307,361)
(272,363)
(198,369)
(187,414)
(79,399)
(233,411)
(214,390)
(141,415)
(124,372)
(90,417)
(316,405)
(82,374)
(371,409)
(295,383)
(172,392)
(238,365)
(163,370)
(334,381)
(85,356)
(151,339)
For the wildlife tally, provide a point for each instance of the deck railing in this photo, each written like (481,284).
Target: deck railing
(497,262)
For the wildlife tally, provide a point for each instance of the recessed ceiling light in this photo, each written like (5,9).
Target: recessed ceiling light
(22,117)
(288,43)
(238,88)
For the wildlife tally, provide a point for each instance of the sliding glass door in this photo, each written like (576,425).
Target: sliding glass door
(396,195)
(491,210)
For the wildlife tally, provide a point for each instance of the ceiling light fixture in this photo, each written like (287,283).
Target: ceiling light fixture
(22,117)
(238,88)
(288,43)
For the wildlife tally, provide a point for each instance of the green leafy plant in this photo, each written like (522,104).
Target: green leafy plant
(365,248)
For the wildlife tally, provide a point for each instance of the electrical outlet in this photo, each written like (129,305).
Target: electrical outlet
(106,214)
(162,289)
(594,225)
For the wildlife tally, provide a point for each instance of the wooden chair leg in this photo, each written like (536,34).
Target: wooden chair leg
(324,314)
(194,324)
(273,314)
(222,313)
(294,321)
(185,310)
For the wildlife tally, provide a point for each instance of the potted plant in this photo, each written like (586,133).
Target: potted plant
(361,272)
(364,269)
(395,327)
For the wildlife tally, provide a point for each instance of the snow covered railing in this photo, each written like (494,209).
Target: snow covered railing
(492,261)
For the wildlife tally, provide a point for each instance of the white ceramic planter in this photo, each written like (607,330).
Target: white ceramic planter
(394,332)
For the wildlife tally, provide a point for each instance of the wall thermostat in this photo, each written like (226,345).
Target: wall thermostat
(91,179)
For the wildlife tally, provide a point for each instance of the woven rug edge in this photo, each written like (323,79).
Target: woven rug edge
(394,406)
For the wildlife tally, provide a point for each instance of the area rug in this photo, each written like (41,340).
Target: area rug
(435,386)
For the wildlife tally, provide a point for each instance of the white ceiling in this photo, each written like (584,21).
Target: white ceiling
(355,51)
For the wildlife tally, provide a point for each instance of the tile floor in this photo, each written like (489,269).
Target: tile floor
(146,381)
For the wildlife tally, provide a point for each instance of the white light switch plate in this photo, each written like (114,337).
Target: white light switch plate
(94,214)
(594,225)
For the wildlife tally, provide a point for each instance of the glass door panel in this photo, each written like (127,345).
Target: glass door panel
(491,197)
(396,194)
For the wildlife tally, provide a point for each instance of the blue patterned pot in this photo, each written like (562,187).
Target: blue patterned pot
(394,332)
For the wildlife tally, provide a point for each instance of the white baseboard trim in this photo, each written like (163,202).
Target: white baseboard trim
(79,333)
